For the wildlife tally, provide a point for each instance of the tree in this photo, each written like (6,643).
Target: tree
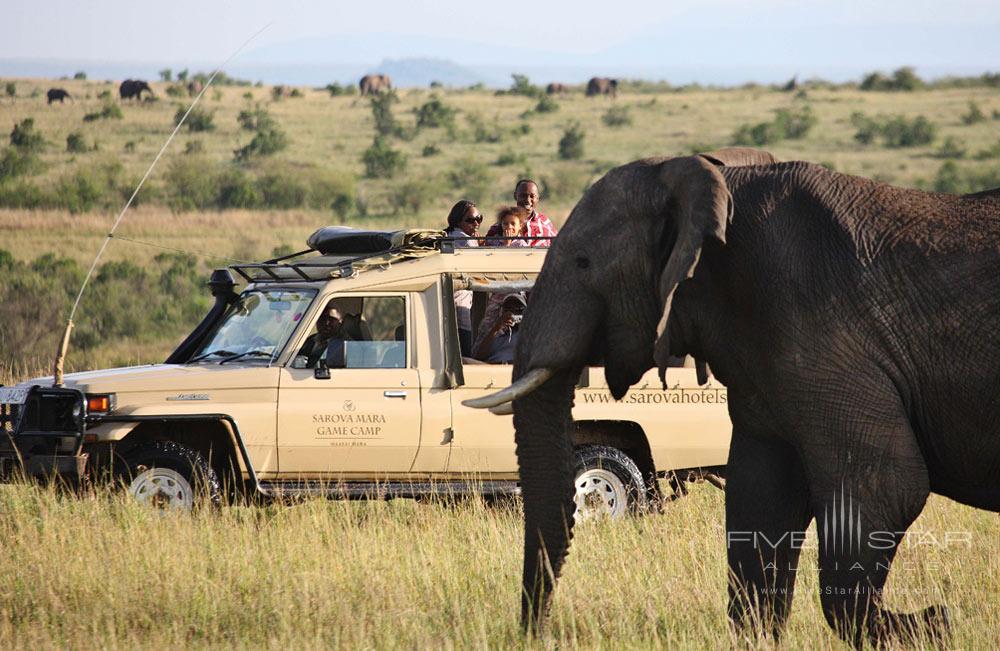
(166,74)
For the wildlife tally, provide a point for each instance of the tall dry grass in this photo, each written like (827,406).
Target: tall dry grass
(100,572)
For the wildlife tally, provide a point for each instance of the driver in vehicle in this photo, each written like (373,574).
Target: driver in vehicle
(329,327)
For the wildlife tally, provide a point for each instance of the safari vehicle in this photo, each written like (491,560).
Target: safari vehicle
(240,407)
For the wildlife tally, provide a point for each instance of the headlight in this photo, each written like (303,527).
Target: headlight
(100,404)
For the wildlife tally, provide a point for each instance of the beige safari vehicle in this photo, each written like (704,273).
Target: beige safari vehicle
(250,403)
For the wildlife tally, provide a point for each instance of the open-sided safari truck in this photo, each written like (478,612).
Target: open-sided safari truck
(245,403)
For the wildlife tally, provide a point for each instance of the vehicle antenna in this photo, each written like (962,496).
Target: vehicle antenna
(57,371)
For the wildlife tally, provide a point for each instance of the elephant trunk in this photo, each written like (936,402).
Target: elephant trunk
(543,420)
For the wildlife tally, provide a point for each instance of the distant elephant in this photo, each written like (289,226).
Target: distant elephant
(58,95)
(194,87)
(133,88)
(374,84)
(556,88)
(602,86)
(855,325)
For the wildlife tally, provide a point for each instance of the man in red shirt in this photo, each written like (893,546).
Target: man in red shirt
(537,224)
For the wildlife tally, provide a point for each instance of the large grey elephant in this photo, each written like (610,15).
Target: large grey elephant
(133,88)
(602,86)
(374,84)
(856,326)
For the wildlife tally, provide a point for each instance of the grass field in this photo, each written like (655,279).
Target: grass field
(98,572)
(101,573)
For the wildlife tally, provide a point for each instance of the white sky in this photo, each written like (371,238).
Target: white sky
(209,30)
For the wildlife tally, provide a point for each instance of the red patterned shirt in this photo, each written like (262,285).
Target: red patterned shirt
(538,225)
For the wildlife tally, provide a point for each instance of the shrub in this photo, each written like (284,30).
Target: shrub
(105,96)
(110,111)
(411,195)
(571,143)
(10,88)
(76,144)
(176,90)
(521,85)
(509,157)
(904,79)
(21,194)
(951,148)
(990,152)
(331,190)
(166,74)
(565,183)
(255,119)
(617,116)
(974,116)
(265,142)
(381,161)
(88,187)
(15,162)
(546,104)
(867,128)
(482,132)
(194,147)
(336,90)
(956,180)
(80,75)
(283,189)
(898,131)
(237,190)
(471,179)
(129,146)
(25,137)
(434,114)
(385,121)
(277,92)
(788,124)
(430,150)
(190,184)
(296,93)
(198,119)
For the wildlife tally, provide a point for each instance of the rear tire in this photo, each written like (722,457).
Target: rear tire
(168,475)
(608,484)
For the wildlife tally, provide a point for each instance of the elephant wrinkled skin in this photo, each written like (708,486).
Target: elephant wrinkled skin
(855,326)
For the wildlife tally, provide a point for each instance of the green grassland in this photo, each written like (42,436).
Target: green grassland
(98,572)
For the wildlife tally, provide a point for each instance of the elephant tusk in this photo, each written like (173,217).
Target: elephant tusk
(506,409)
(530,381)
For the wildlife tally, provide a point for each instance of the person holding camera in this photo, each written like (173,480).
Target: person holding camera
(497,344)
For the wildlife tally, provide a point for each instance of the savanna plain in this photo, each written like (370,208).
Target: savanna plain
(265,167)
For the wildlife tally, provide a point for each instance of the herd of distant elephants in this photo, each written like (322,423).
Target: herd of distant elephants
(372,84)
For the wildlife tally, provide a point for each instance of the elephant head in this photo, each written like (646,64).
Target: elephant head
(633,237)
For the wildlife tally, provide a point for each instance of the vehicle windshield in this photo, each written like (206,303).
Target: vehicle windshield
(256,327)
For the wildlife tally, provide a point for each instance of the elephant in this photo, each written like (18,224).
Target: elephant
(602,86)
(133,88)
(374,84)
(58,95)
(194,87)
(556,88)
(854,325)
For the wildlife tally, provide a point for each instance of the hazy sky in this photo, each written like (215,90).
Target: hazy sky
(209,30)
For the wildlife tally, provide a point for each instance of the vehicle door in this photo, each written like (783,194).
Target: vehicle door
(359,416)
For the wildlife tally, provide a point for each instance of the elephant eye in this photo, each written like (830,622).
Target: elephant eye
(582,262)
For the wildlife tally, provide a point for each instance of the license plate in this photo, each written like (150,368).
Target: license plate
(13,395)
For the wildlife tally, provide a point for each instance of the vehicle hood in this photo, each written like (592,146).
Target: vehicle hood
(160,378)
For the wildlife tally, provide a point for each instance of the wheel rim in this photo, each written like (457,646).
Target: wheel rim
(599,493)
(162,488)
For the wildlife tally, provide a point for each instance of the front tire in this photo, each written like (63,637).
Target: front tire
(608,484)
(168,475)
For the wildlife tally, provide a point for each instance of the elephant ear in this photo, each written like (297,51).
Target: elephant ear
(703,208)
(739,157)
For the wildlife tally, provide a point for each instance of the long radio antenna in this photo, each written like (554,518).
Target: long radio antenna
(57,371)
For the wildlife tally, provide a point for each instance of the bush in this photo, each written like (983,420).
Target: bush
(521,85)
(410,195)
(25,137)
(80,75)
(198,119)
(330,190)
(265,142)
(255,119)
(336,90)
(194,147)
(990,152)
(951,148)
(177,90)
(617,116)
(953,179)
(15,162)
(110,111)
(903,79)
(509,157)
(895,131)
(10,88)
(974,116)
(277,92)
(88,187)
(482,132)
(546,104)
(381,161)
(788,124)
(565,183)
(471,179)
(22,194)
(190,184)
(75,143)
(571,143)
(385,121)
(237,190)
(430,150)
(434,114)
(296,93)
(283,189)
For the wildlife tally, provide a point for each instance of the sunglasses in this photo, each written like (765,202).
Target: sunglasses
(474,220)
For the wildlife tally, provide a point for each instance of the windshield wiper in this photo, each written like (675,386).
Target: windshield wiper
(248,353)
(209,354)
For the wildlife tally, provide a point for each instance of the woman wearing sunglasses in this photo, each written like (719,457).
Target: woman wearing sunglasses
(463,227)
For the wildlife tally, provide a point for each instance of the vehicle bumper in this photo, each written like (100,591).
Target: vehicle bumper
(41,432)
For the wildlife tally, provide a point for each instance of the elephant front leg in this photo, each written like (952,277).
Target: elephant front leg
(767,512)
(864,500)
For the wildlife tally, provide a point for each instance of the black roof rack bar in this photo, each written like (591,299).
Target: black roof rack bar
(287,257)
